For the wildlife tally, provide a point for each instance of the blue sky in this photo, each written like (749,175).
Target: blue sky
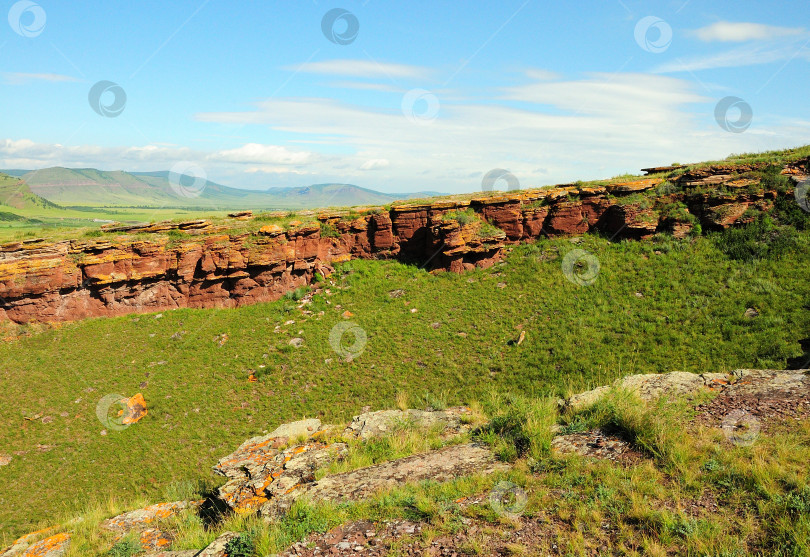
(425,96)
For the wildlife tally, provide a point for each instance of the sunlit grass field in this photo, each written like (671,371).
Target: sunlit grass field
(655,306)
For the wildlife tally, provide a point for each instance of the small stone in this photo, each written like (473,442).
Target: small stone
(47,419)
(4,460)
(159,316)
(501,285)
(414,310)
(639,295)
(751,313)
(435,325)
(296,342)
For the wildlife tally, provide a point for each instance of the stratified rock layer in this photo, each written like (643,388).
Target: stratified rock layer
(75,279)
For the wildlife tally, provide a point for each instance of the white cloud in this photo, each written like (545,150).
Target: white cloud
(601,125)
(752,55)
(544,132)
(365,86)
(542,75)
(375,164)
(362,68)
(24,78)
(727,31)
(262,154)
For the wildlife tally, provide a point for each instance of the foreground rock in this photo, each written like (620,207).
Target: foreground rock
(262,466)
(676,384)
(143,522)
(648,387)
(596,444)
(759,398)
(384,422)
(53,546)
(440,466)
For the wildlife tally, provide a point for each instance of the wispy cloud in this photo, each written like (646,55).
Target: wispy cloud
(375,164)
(600,125)
(542,75)
(727,31)
(362,68)
(365,86)
(23,78)
(750,55)
(548,131)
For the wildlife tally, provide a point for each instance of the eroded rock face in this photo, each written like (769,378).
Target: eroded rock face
(442,465)
(384,422)
(69,280)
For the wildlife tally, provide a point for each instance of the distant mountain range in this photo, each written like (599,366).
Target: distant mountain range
(97,188)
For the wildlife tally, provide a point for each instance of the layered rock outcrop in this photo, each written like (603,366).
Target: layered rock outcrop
(200,266)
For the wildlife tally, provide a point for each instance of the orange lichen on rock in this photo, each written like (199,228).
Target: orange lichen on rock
(136,409)
(146,516)
(154,539)
(55,546)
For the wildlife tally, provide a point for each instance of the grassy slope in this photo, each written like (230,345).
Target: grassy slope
(689,318)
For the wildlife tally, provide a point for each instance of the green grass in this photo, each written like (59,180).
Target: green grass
(761,491)
(690,317)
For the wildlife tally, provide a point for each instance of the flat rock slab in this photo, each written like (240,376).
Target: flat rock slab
(442,465)
(384,422)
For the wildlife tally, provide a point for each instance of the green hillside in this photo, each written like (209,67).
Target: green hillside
(657,306)
(17,195)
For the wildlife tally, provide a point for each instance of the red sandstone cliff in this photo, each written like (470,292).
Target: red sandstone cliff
(74,279)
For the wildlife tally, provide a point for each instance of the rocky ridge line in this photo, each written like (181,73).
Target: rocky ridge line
(74,279)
